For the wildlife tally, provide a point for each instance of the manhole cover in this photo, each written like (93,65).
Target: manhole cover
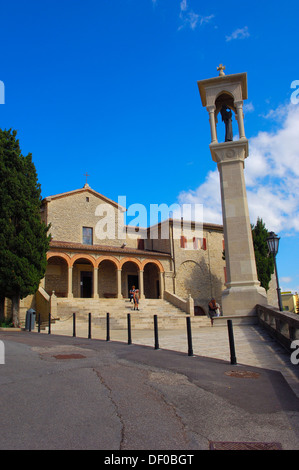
(245,446)
(69,356)
(242,374)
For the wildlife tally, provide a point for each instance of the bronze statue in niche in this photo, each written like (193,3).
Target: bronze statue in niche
(226,115)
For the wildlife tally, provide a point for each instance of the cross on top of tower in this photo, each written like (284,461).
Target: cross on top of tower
(86,176)
(221,69)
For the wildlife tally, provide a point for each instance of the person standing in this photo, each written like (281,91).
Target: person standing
(136,299)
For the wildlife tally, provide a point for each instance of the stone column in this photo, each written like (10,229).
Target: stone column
(240,117)
(70,294)
(211,111)
(141,285)
(119,296)
(243,290)
(95,283)
(161,278)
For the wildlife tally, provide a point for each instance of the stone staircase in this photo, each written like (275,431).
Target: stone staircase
(169,316)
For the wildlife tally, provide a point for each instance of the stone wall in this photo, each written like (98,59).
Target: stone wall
(56,277)
(70,213)
(200,271)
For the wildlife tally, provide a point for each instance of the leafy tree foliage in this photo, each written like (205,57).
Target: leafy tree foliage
(23,236)
(264,260)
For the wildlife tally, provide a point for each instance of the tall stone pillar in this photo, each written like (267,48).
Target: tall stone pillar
(141,285)
(95,283)
(161,281)
(243,291)
(119,296)
(70,283)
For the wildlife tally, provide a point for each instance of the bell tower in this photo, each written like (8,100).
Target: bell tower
(223,98)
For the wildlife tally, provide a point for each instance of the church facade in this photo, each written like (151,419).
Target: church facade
(80,265)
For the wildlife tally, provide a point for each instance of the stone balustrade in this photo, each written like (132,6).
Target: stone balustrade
(283,326)
(187,305)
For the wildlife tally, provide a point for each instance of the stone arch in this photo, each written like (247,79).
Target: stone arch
(56,275)
(131,270)
(154,261)
(64,256)
(83,257)
(199,310)
(227,98)
(132,260)
(192,279)
(107,276)
(107,258)
(152,279)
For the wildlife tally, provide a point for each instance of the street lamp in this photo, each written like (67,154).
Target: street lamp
(273,242)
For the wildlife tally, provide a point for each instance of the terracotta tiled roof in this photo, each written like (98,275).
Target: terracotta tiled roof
(104,248)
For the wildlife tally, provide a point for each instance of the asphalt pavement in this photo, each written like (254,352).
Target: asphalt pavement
(68,393)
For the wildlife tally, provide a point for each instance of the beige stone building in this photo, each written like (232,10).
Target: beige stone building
(82,266)
(171,261)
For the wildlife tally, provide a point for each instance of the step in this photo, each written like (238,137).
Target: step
(137,322)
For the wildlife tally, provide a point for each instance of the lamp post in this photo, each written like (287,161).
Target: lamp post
(273,242)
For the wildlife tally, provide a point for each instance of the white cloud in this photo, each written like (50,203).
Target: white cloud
(248,107)
(183,5)
(190,18)
(271,175)
(207,194)
(240,33)
(206,19)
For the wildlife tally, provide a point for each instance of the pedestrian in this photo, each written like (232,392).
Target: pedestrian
(136,299)
(212,310)
(132,294)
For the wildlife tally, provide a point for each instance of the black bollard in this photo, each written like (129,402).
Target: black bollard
(190,350)
(129,329)
(108,327)
(89,326)
(38,325)
(74,325)
(49,329)
(156,332)
(233,359)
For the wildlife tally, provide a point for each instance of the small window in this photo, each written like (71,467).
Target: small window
(87,199)
(183,242)
(140,244)
(87,236)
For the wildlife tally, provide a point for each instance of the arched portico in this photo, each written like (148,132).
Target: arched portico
(131,275)
(153,279)
(105,276)
(83,276)
(56,276)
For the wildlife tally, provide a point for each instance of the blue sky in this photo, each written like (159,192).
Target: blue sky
(109,87)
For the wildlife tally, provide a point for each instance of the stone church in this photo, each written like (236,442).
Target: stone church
(179,267)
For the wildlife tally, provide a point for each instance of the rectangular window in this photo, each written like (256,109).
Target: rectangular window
(87,236)
(140,244)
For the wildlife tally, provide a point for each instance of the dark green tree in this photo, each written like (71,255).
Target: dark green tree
(264,260)
(24,241)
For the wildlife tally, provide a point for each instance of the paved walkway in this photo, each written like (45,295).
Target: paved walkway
(253,345)
(61,392)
